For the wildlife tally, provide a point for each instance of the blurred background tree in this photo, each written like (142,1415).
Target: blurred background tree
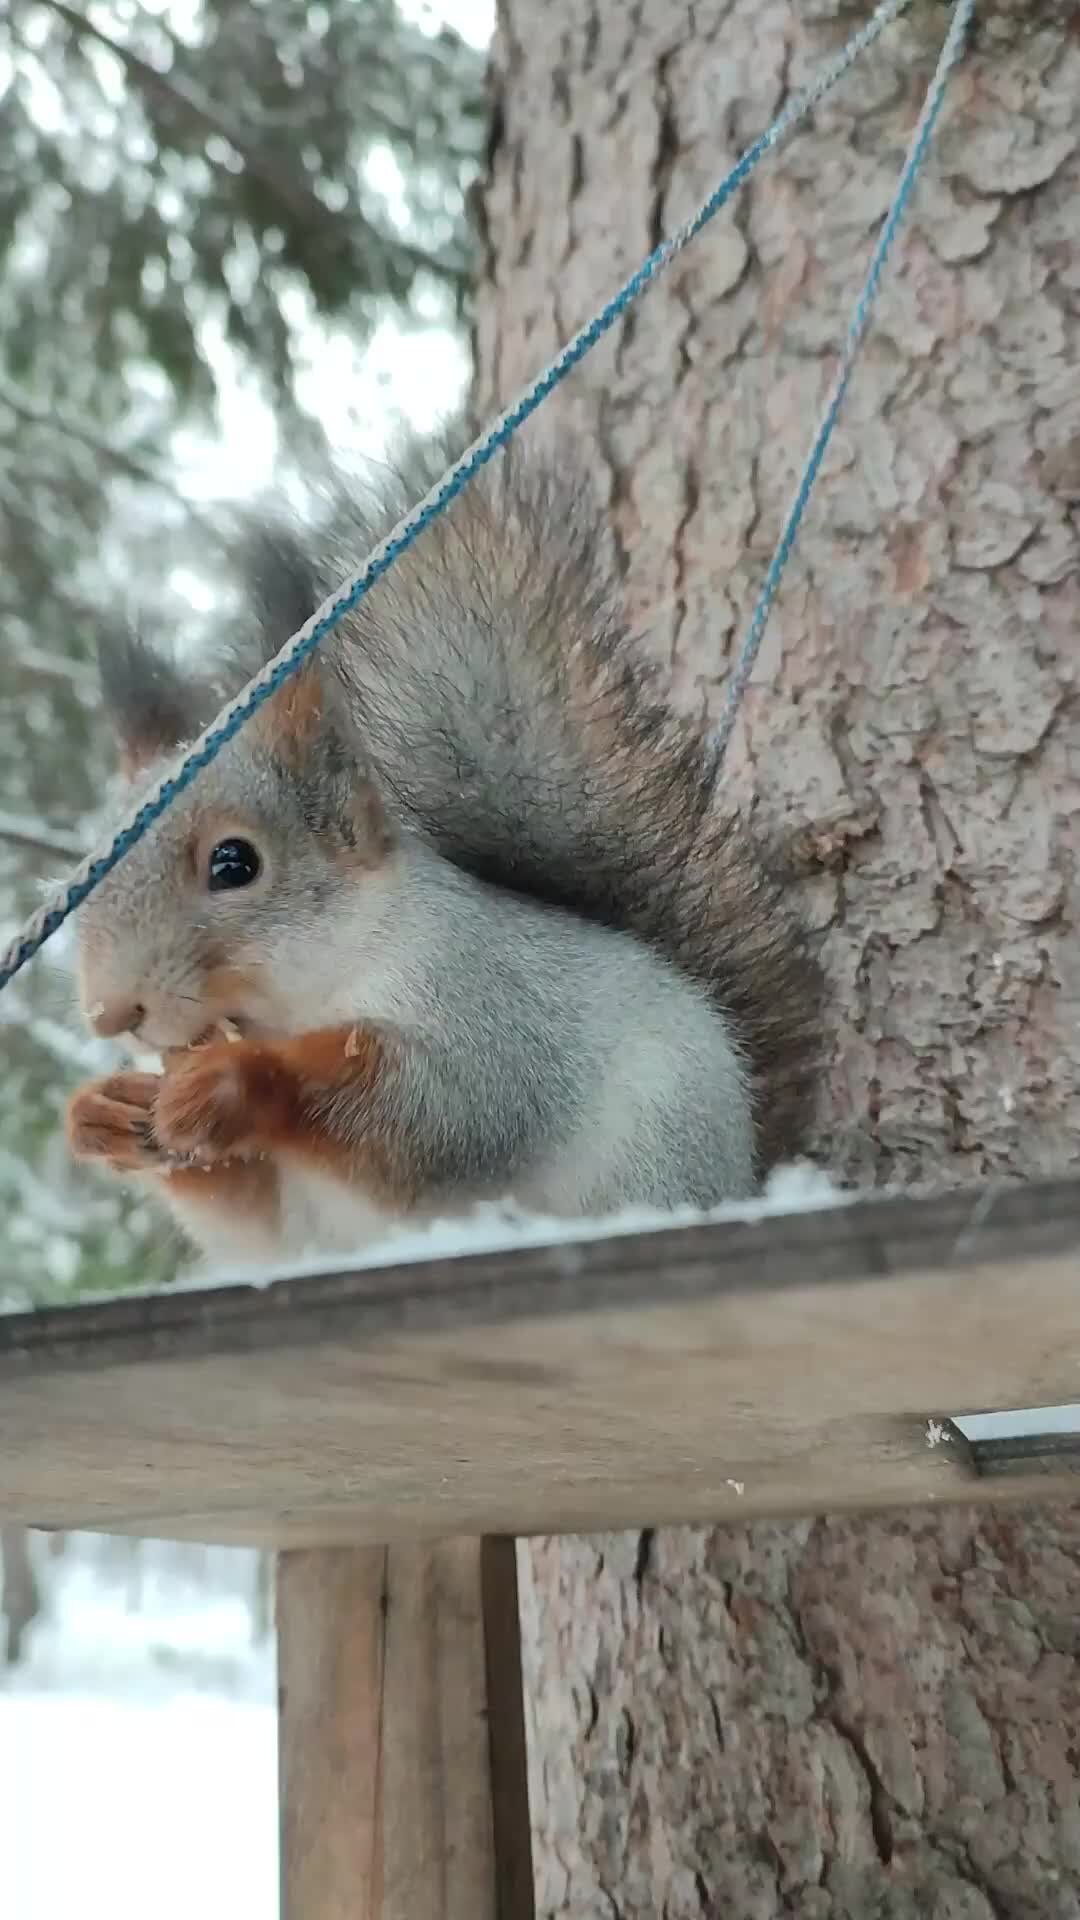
(218,222)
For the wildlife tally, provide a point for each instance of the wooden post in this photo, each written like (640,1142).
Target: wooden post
(402,1753)
(330,1676)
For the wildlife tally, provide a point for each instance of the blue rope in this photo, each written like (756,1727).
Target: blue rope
(963,13)
(53,913)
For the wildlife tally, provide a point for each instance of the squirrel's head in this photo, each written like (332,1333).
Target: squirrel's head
(226,909)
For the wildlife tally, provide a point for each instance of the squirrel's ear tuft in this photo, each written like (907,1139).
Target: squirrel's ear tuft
(280,581)
(279,591)
(152,705)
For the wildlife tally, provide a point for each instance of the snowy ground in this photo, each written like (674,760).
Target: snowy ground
(137,1745)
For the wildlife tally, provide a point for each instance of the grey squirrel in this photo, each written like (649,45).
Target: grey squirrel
(456,916)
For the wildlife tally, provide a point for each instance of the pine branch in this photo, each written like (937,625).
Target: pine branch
(194,109)
(32,414)
(35,837)
(53,667)
(128,465)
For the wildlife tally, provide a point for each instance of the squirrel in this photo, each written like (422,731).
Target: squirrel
(456,916)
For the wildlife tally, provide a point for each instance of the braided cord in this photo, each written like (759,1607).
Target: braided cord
(963,13)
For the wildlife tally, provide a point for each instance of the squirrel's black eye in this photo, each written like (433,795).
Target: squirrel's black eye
(233,863)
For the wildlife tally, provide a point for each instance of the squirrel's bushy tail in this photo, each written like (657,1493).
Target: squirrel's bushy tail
(509,717)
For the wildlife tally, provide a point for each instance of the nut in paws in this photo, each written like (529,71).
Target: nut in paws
(222,1101)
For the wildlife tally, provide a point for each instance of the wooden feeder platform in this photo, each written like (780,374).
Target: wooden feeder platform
(392,1430)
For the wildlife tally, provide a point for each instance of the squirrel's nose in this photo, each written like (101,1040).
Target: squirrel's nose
(111,1017)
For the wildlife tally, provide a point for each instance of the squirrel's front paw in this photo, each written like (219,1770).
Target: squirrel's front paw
(113,1120)
(223,1101)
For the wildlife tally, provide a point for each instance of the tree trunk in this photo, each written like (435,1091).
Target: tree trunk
(849,1719)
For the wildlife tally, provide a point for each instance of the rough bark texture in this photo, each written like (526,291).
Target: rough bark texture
(847,1720)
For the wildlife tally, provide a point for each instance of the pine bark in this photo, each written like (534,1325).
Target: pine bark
(844,1719)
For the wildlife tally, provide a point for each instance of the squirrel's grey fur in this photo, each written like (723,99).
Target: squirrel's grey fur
(519,725)
(562,835)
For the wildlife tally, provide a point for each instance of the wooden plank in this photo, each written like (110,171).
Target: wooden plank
(781,1365)
(388,1804)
